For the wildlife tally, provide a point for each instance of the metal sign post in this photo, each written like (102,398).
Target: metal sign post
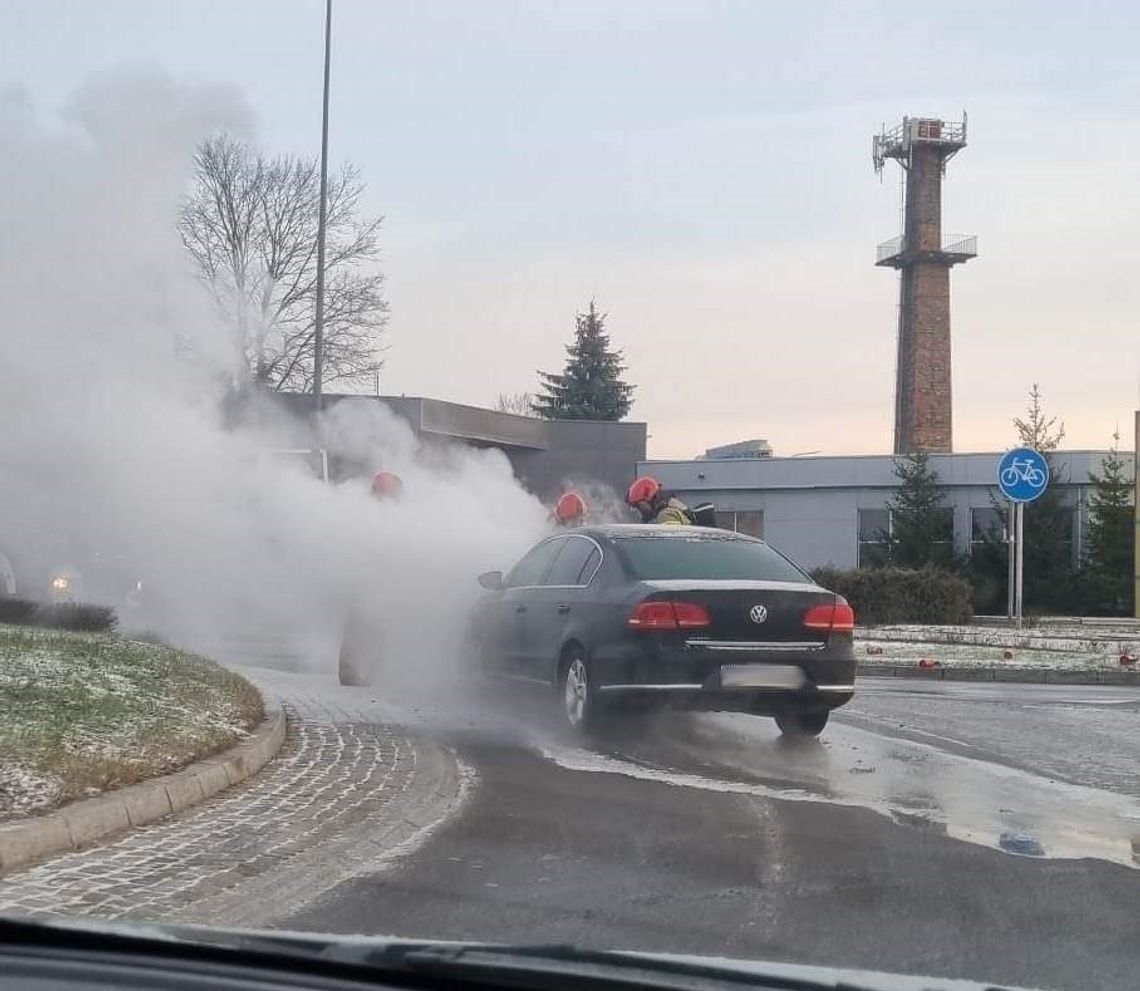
(1020,579)
(1136,517)
(1011,556)
(1023,475)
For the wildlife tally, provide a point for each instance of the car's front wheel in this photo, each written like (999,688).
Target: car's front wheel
(349,671)
(350,666)
(800,723)
(580,705)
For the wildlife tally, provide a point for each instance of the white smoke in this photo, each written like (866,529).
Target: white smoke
(111,440)
(603,504)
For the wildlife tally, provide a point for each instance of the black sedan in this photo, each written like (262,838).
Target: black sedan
(628,616)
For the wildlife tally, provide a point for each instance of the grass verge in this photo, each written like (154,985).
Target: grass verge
(83,713)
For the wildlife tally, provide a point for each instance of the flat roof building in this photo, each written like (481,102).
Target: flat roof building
(834,510)
(545,455)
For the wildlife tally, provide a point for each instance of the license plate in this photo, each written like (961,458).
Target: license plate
(761,676)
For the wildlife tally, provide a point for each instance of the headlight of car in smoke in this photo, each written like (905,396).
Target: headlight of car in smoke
(64,585)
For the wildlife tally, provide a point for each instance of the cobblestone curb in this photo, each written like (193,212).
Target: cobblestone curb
(91,820)
(1037,676)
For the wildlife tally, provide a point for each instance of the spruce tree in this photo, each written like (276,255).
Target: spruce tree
(922,529)
(1106,575)
(1048,560)
(591,387)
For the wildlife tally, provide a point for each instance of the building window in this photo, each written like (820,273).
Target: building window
(986,526)
(943,550)
(1069,537)
(874,538)
(749,521)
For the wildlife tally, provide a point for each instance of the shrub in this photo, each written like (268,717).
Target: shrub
(899,595)
(78,616)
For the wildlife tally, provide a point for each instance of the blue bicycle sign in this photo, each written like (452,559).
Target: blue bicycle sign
(1023,474)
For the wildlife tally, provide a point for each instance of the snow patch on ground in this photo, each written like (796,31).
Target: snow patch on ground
(1054,647)
(1077,638)
(25,792)
(973,656)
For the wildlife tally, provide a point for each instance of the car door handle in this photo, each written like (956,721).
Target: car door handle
(520,608)
(564,609)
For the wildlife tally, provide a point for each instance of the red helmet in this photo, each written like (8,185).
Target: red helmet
(571,508)
(645,489)
(385,485)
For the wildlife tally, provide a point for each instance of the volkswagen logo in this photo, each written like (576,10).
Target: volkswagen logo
(758,613)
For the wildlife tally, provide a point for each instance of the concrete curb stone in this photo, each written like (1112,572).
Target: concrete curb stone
(1120,677)
(90,820)
(1037,676)
(1028,675)
(966,674)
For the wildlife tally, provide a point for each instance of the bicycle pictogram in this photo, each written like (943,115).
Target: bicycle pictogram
(1023,471)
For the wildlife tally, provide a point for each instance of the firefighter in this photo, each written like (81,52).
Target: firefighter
(386,485)
(656,505)
(570,509)
(357,636)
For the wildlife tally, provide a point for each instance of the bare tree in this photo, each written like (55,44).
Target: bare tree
(250,225)
(519,403)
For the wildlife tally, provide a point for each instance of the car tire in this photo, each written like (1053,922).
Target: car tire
(802,723)
(581,708)
(349,674)
(348,669)
(7,576)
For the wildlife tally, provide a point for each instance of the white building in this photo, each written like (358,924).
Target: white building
(834,510)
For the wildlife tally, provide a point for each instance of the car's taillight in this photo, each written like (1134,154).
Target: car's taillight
(653,616)
(691,616)
(837,616)
(660,615)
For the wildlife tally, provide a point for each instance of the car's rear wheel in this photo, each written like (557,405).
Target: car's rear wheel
(349,667)
(800,723)
(580,706)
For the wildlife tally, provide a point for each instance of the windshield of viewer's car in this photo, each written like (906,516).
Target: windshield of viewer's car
(701,557)
(655,475)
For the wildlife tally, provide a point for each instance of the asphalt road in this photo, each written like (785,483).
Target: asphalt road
(958,830)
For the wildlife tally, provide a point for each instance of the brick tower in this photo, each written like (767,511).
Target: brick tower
(923,255)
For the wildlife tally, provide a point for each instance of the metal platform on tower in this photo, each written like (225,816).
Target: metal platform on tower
(956,248)
(900,141)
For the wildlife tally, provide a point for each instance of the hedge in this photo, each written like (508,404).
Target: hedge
(76,616)
(899,595)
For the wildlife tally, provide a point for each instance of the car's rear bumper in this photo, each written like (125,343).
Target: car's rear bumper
(724,676)
(763,701)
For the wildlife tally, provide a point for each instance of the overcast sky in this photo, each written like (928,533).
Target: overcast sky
(703,170)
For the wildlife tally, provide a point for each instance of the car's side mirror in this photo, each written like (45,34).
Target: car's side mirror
(492,580)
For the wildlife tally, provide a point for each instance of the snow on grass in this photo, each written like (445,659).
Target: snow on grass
(24,792)
(81,713)
(979,656)
(1073,639)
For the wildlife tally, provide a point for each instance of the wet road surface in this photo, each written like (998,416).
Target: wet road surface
(959,830)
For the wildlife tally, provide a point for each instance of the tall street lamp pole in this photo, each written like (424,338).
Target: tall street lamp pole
(322,219)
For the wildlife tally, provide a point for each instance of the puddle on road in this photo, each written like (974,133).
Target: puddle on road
(914,784)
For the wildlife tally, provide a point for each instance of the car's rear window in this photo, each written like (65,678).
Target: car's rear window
(705,557)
